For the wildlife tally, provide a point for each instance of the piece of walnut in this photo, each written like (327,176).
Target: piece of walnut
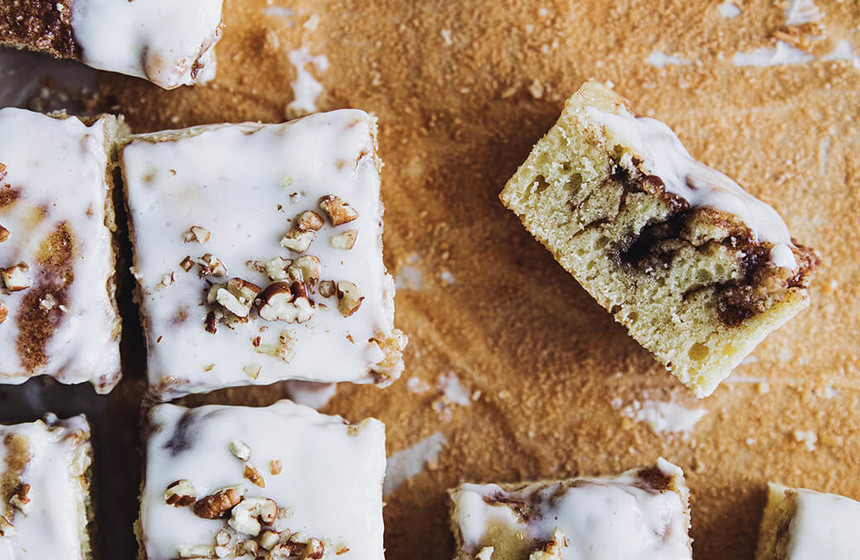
(179,494)
(338,211)
(349,298)
(219,504)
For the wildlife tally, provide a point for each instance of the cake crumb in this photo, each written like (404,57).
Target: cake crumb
(806,437)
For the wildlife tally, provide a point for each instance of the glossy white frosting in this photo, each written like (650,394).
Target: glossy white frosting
(331,477)
(168,42)
(59,167)
(55,524)
(236,181)
(666,157)
(615,518)
(824,526)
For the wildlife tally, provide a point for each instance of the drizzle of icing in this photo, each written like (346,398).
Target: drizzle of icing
(665,157)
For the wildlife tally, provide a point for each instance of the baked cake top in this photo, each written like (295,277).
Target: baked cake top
(641,514)
(43,489)
(258,252)
(225,481)
(57,313)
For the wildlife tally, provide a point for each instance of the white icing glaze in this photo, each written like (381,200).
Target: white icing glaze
(824,526)
(602,518)
(729,10)
(168,42)
(665,416)
(330,478)
(801,12)
(59,166)
(55,526)
(665,157)
(409,462)
(783,53)
(660,59)
(306,89)
(229,179)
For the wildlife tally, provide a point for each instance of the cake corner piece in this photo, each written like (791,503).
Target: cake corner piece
(697,270)
(799,523)
(541,520)
(46,482)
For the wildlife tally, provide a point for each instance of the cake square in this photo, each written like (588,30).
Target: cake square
(641,513)
(167,42)
(801,524)
(58,316)
(696,269)
(258,254)
(275,482)
(44,490)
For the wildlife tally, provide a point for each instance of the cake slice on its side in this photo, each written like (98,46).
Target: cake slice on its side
(800,524)
(698,270)
(168,42)
(58,314)
(44,490)
(258,254)
(280,482)
(642,514)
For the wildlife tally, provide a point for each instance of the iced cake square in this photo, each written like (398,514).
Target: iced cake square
(697,269)
(58,316)
(167,42)
(44,490)
(800,524)
(638,515)
(258,253)
(277,482)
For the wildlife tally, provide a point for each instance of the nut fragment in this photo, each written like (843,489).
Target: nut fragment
(187,263)
(21,499)
(211,266)
(2,171)
(275,466)
(219,504)
(247,516)
(486,553)
(305,270)
(315,549)
(276,269)
(284,350)
(298,240)
(254,476)
(345,240)
(349,298)
(327,288)
(4,312)
(236,296)
(269,539)
(196,233)
(338,211)
(4,234)
(222,537)
(6,528)
(210,323)
(16,278)
(181,493)
(165,281)
(281,302)
(309,221)
(240,450)
(253,370)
